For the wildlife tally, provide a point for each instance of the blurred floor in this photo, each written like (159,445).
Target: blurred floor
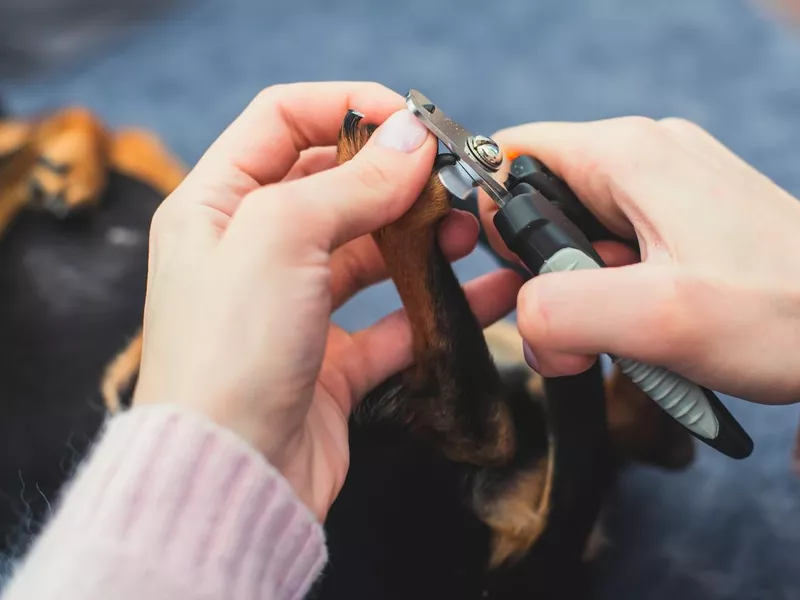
(721,531)
(36,34)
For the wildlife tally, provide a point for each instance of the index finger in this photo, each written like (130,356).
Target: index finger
(579,153)
(266,140)
(634,170)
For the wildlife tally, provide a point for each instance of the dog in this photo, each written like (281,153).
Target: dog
(76,200)
(470,477)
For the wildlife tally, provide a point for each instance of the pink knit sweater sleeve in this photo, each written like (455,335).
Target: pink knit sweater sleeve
(171,506)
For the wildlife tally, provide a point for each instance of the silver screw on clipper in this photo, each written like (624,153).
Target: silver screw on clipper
(486,151)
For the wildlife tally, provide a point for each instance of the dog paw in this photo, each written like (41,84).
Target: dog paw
(70,173)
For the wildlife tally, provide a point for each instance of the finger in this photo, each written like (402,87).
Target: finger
(625,170)
(613,253)
(487,209)
(640,311)
(569,151)
(265,141)
(552,363)
(327,209)
(458,233)
(312,161)
(556,364)
(385,348)
(358,264)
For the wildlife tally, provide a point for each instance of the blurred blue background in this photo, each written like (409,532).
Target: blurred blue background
(723,529)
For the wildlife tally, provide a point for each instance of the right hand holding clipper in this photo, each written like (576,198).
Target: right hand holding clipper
(716,295)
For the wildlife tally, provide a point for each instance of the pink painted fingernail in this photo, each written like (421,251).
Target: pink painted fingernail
(402,131)
(530,357)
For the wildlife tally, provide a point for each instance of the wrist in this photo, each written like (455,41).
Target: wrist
(170,496)
(314,469)
(284,446)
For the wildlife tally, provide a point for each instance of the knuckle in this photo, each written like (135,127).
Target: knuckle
(269,95)
(681,125)
(634,133)
(610,145)
(164,220)
(635,140)
(691,133)
(169,225)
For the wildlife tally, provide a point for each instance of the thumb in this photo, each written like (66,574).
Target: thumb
(640,311)
(371,190)
(383,179)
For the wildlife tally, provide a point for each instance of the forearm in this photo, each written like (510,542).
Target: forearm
(171,506)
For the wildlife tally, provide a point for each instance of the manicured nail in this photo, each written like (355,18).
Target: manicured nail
(402,131)
(530,358)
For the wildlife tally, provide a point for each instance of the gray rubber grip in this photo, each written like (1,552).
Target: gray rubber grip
(679,397)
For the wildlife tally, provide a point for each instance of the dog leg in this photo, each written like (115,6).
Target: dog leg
(454,396)
(639,430)
(141,155)
(518,515)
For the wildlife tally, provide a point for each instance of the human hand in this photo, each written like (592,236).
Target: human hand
(256,248)
(716,296)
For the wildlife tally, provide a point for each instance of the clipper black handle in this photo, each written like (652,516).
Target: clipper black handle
(527,169)
(546,242)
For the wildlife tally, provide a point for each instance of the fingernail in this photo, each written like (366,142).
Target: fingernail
(402,131)
(530,358)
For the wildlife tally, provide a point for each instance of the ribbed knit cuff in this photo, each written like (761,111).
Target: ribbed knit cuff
(169,494)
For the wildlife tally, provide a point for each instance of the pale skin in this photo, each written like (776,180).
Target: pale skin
(716,295)
(266,237)
(255,249)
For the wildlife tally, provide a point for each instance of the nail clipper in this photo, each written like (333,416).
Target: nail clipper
(532,220)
